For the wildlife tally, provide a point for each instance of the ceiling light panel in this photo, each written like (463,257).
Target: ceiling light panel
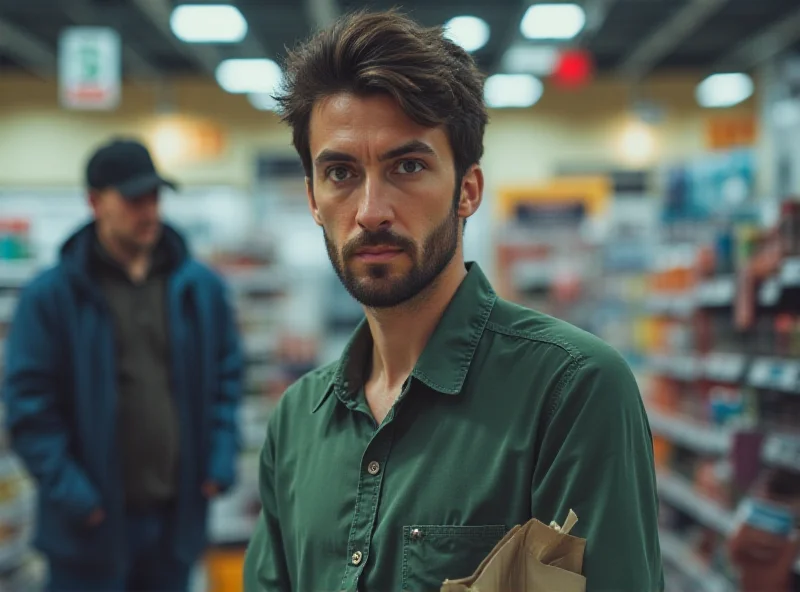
(208,23)
(553,21)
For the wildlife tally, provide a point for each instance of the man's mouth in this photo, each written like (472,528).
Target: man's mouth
(378,254)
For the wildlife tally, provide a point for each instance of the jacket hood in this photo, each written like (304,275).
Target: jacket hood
(76,252)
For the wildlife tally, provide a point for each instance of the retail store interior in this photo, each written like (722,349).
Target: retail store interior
(642,167)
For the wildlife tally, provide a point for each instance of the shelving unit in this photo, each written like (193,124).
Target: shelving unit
(702,438)
(695,574)
(679,493)
(670,296)
(711,369)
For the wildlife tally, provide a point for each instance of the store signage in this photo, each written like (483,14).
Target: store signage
(177,140)
(89,68)
(728,132)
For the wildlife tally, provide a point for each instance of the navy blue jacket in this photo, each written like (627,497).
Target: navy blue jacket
(60,395)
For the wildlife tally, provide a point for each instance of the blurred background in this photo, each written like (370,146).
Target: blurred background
(643,182)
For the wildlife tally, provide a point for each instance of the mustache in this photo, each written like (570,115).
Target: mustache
(379,238)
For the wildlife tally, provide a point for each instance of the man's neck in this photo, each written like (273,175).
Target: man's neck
(136,263)
(400,334)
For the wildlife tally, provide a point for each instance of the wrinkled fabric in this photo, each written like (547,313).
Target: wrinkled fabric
(508,415)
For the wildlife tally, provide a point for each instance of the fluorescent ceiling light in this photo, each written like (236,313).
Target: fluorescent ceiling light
(208,23)
(263,101)
(539,60)
(512,90)
(724,90)
(249,75)
(470,32)
(552,21)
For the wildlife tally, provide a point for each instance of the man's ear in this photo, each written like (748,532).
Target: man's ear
(471,192)
(312,202)
(93,198)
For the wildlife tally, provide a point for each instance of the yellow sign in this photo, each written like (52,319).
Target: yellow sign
(593,192)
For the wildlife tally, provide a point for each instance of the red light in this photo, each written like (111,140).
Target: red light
(574,68)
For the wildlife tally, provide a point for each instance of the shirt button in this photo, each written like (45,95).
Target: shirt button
(357,557)
(416,534)
(374,468)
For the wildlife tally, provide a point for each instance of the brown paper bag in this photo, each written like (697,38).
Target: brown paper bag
(530,558)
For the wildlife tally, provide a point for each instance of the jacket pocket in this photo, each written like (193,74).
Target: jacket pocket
(432,554)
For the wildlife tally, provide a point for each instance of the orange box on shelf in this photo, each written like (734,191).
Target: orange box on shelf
(224,568)
(662,452)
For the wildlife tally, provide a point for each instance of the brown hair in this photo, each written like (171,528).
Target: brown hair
(433,80)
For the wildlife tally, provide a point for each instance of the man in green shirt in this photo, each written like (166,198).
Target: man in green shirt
(452,414)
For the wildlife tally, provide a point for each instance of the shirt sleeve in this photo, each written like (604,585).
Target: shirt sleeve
(596,457)
(265,567)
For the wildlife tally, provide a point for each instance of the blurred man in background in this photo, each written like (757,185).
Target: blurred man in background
(452,415)
(123,378)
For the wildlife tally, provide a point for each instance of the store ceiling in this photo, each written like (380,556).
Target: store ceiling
(629,37)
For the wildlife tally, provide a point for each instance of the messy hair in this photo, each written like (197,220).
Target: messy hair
(432,79)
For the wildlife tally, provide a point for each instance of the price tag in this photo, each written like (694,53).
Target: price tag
(783,451)
(760,373)
(725,291)
(724,367)
(790,272)
(770,292)
(789,375)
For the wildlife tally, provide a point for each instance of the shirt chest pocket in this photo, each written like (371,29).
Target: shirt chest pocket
(432,554)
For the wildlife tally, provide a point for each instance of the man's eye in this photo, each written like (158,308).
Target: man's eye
(338,174)
(409,167)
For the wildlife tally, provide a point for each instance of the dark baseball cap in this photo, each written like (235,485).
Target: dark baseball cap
(125,165)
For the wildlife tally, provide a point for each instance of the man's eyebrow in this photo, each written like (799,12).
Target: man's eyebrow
(412,147)
(333,156)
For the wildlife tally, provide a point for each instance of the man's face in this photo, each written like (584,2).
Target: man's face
(384,190)
(133,223)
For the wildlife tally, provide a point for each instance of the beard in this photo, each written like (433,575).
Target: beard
(377,288)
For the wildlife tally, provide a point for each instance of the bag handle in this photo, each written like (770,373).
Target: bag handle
(571,520)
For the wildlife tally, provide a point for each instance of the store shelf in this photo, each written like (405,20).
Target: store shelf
(16,273)
(8,304)
(790,272)
(782,450)
(680,367)
(769,294)
(701,438)
(260,343)
(775,374)
(675,305)
(716,292)
(254,415)
(724,367)
(262,278)
(678,492)
(682,558)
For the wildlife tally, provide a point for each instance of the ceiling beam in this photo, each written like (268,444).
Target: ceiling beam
(322,13)
(158,13)
(763,45)
(27,50)
(135,63)
(668,37)
(510,35)
(596,14)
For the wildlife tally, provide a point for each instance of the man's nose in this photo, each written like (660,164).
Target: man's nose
(374,211)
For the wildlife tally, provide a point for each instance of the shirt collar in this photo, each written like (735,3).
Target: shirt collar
(446,359)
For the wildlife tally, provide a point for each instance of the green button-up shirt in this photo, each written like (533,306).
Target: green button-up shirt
(509,414)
